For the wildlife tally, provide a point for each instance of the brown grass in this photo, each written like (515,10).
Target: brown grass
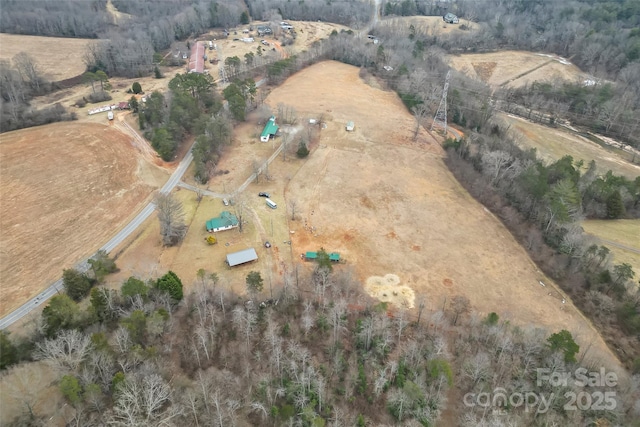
(429,25)
(386,203)
(66,188)
(514,68)
(554,143)
(58,58)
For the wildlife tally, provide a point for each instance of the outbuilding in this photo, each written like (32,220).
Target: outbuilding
(350,126)
(242,257)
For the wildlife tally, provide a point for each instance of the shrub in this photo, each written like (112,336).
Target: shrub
(81,102)
(99,97)
(136,88)
(303,151)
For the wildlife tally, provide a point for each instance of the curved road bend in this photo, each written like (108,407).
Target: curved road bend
(83,266)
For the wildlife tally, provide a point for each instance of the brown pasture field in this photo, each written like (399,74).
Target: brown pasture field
(515,68)
(386,203)
(554,143)
(58,58)
(66,189)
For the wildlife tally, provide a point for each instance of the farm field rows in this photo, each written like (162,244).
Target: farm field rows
(386,203)
(58,58)
(67,187)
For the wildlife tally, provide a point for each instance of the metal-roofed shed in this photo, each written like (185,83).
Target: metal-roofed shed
(311,255)
(242,257)
(334,256)
(350,126)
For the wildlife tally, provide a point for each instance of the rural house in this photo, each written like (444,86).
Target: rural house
(242,257)
(270,129)
(226,221)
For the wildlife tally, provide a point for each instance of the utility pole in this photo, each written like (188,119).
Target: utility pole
(440,119)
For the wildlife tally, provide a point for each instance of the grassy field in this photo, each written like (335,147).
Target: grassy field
(554,143)
(515,68)
(386,203)
(57,58)
(66,188)
(625,236)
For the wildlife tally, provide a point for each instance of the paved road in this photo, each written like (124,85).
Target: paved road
(83,266)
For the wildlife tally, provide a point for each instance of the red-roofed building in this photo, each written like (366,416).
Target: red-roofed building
(196,62)
(123,105)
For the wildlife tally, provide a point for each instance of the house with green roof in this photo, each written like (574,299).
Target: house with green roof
(270,129)
(226,221)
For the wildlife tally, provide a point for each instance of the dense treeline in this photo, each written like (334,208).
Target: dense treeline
(322,353)
(70,18)
(543,206)
(345,12)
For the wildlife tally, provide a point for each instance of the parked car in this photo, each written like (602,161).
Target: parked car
(225,202)
(262,194)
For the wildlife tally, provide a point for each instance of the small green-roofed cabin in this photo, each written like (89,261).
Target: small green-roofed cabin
(270,129)
(311,255)
(334,256)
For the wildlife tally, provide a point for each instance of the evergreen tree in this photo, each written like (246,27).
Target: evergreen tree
(8,352)
(171,284)
(563,341)
(615,207)
(76,284)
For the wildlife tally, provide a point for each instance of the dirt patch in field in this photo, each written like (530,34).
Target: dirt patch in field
(389,289)
(57,58)
(515,68)
(66,188)
(484,70)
